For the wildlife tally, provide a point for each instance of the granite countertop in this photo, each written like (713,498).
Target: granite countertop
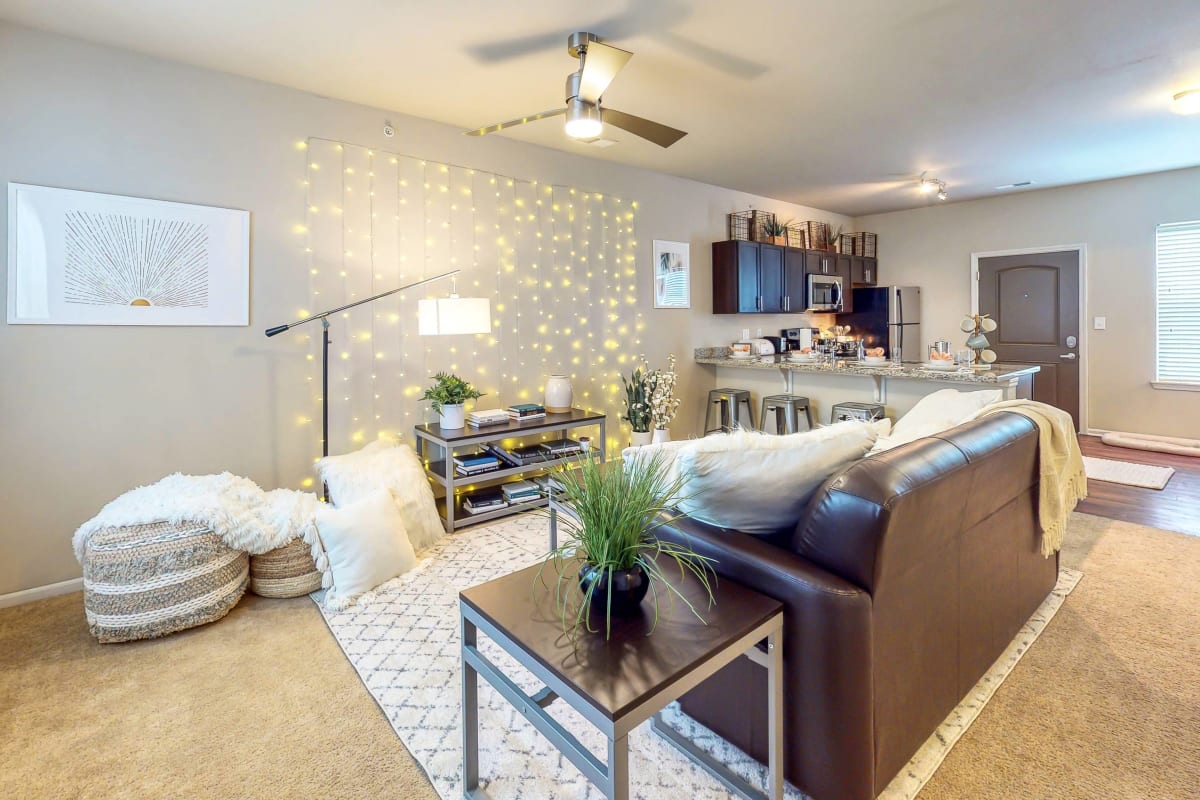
(999,373)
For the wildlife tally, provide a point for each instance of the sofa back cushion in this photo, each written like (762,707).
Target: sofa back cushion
(760,483)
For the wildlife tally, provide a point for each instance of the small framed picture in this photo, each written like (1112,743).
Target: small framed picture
(672,275)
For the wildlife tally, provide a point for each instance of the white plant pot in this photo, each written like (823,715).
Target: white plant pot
(661,435)
(453,416)
(640,438)
(558,394)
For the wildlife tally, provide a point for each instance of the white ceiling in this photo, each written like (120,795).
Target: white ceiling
(833,105)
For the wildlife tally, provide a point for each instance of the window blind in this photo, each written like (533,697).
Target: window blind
(1177,255)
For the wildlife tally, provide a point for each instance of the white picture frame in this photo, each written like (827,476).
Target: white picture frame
(85,258)
(672,274)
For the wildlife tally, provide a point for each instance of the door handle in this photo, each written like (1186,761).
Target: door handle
(1069,356)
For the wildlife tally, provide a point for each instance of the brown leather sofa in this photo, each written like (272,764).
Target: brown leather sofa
(907,577)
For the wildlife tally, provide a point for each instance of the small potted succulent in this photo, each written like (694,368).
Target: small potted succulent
(637,405)
(774,231)
(609,547)
(448,397)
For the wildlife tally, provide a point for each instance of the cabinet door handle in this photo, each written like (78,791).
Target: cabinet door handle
(868,274)
(758,302)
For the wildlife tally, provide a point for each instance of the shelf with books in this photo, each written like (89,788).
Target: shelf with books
(439,449)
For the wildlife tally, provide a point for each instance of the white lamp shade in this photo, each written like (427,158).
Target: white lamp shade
(447,316)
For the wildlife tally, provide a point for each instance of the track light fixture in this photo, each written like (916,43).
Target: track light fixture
(932,186)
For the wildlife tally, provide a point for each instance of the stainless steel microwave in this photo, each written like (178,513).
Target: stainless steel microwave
(825,293)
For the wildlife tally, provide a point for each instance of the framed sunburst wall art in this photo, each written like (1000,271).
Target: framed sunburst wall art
(82,258)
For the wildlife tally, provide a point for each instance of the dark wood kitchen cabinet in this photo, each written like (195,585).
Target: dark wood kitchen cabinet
(748,278)
(864,271)
(759,278)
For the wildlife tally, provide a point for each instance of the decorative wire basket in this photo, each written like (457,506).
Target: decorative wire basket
(816,234)
(747,225)
(847,244)
(796,235)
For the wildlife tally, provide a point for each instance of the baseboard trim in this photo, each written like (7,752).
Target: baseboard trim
(41,592)
(1096,431)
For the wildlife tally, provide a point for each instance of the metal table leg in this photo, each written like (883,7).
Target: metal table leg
(470,714)
(618,769)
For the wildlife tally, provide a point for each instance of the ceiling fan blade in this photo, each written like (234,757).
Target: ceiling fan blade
(661,135)
(512,123)
(601,63)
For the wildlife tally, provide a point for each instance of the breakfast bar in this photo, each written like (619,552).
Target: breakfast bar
(1014,380)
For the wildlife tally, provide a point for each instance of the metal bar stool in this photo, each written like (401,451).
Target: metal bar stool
(785,410)
(729,403)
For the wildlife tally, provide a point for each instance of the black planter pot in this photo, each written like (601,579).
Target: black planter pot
(629,587)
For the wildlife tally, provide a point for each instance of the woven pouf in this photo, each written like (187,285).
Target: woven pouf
(143,581)
(287,571)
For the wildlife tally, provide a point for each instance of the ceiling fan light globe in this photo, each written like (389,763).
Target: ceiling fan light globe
(583,120)
(1186,102)
(584,128)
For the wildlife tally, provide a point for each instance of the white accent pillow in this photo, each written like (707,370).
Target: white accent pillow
(386,464)
(363,545)
(760,483)
(935,413)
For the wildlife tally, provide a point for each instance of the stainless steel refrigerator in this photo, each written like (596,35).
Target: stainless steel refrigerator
(888,317)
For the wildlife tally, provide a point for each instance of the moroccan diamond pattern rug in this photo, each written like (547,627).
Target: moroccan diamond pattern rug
(403,641)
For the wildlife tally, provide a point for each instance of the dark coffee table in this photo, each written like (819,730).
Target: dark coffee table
(617,684)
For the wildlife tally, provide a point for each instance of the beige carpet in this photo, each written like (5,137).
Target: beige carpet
(261,704)
(264,705)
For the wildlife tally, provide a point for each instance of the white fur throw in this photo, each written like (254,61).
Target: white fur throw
(236,509)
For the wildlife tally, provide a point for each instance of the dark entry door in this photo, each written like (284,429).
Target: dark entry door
(1035,302)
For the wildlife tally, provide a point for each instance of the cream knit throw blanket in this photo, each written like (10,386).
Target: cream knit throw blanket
(1063,479)
(235,508)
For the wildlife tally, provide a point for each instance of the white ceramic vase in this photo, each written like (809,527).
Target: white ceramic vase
(558,394)
(453,416)
(640,438)
(661,435)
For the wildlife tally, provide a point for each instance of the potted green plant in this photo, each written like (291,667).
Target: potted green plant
(609,516)
(637,405)
(447,397)
(775,231)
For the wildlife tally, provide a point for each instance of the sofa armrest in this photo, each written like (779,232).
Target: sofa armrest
(827,659)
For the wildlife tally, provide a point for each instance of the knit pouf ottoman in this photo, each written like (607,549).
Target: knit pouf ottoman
(287,571)
(143,581)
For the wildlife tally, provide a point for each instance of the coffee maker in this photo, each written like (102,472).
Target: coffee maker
(798,338)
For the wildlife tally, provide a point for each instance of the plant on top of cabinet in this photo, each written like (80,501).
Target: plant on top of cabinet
(774,231)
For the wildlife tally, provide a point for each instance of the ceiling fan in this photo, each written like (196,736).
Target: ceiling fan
(599,63)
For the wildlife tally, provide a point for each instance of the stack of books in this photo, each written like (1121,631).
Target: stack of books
(526,411)
(547,483)
(560,448)
(483,500)
(476,463)
(520,492)
(530,454)
(493,416)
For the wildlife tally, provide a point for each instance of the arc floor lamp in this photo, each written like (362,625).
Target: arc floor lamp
(440,316)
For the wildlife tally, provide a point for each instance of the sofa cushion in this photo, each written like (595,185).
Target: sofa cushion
(364,544)
(759,483)
(386,464)
(935,413)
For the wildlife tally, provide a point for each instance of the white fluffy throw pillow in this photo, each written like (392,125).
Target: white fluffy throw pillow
(363,545)
(386,464)
(759,483)
(935,413)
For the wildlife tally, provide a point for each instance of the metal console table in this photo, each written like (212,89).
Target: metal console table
(441,471)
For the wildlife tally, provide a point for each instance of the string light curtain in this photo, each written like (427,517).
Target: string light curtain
(558,264)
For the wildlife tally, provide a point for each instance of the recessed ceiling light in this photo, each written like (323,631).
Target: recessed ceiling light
(1187,102)
(1018,185)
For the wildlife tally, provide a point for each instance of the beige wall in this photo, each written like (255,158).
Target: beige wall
(89,412)
(932,247)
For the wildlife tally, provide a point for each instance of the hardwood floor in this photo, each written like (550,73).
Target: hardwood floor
(1174,508)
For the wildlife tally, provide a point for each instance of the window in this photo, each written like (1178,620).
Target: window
(1177,255)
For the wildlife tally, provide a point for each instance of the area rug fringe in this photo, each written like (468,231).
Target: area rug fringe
(403,641)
